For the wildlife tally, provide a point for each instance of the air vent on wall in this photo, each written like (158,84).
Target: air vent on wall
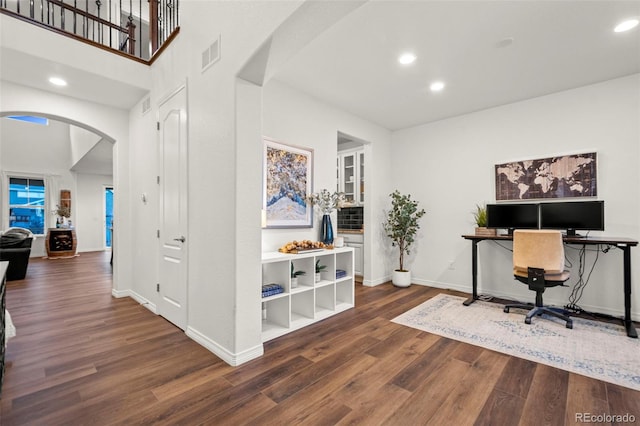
(211,55)
(146,105)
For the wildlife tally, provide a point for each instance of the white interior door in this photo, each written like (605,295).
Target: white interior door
(173,208)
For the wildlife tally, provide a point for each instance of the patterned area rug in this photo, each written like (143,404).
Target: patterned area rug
(592,348)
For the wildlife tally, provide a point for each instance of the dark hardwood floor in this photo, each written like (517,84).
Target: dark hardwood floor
(82,357)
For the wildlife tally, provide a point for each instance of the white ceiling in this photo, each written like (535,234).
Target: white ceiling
(28,70)
(98,161)
(29,145)
(557,45)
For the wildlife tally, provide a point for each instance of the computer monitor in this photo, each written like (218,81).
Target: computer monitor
(512,216)
(573,216)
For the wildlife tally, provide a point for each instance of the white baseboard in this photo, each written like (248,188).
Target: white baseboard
(447,286)
(373,283)
(120,293)
(135,296)
(89,250)
(233,359)
(221,352)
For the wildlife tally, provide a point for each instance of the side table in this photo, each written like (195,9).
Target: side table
(61,242)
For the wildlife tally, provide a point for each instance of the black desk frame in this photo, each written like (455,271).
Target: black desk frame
(623,244)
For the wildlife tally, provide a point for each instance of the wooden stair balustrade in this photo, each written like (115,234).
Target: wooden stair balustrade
(113,25)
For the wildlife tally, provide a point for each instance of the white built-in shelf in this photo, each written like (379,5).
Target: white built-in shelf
(310,301)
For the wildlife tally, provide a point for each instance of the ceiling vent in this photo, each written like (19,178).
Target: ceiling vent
(146,105)
(211,55)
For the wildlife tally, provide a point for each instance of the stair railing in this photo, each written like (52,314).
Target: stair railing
(124,27)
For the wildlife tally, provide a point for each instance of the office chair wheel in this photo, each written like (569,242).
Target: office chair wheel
(506,310)
(527,320)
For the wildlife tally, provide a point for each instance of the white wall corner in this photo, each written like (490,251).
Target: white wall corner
(233,359)
(120,293)
(377,281)
(373,283)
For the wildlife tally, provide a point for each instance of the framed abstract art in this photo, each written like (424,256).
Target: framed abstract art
(287,177)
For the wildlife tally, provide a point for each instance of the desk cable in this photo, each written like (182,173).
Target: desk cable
(504,247)
(578,288)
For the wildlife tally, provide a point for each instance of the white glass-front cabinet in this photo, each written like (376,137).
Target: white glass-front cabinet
(361,177)
(351,176)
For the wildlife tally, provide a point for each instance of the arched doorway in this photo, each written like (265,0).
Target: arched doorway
(109,125)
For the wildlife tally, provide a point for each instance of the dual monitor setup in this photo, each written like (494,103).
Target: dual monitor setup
(569,216)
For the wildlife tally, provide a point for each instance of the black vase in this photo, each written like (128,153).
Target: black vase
(327,229)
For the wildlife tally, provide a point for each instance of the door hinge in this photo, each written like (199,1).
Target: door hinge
(158,233)
(158,125)
(158,287)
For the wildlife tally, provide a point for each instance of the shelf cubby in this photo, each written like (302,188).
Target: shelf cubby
(277,320)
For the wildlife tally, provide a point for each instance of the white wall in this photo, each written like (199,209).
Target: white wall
(144,215)
(449,167)
(293,117)
(81,143)
(89,218)
(225,167)
(224,234)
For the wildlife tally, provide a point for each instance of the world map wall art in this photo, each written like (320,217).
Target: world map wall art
(287,182)
(567,176)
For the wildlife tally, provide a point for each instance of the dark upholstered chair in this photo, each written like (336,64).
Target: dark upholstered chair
(538,261)
(15,247)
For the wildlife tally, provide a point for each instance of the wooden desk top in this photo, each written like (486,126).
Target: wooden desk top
(618,241)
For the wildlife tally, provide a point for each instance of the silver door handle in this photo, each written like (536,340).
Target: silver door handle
(181,239)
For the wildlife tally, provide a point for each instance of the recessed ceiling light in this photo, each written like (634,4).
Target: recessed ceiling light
(626,25)
(436,86)
(57,81)
(407,58)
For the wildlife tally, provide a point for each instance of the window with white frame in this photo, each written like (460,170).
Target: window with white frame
(27,204)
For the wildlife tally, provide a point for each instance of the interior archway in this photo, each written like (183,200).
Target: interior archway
(68,157)
(110,126)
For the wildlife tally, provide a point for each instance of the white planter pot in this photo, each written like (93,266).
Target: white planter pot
(318,277)
(294,282)
(401,278)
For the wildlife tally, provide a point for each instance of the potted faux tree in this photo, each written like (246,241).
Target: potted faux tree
(480,218)
(401,226)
